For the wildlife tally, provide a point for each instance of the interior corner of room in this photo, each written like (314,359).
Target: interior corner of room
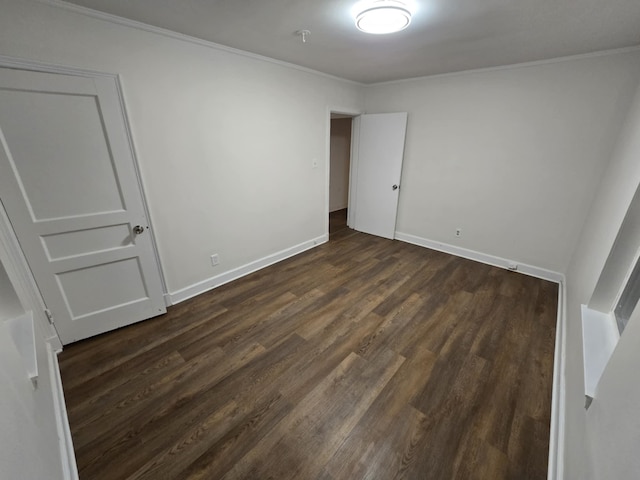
(233,163)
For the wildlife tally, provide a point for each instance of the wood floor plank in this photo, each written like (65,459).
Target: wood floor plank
(120,416)
(118,386)
(344,307)
(363,358)
(132,341)
(448,413)
(527,455)
(194,442)
(391,456)
(480,461)
(213,444)
(387,331)
(358,382)
(371,443)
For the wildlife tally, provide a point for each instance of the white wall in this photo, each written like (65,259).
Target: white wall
(339,163)
(225,142)
(9,303)
(512,156)
(29,441)
(619,262)
(602,442)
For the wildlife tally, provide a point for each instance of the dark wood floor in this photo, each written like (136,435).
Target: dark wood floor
(363,358)
(337,221)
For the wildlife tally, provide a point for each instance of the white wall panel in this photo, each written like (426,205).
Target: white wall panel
(512,156)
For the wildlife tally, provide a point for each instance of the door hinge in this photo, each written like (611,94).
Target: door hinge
(49,315)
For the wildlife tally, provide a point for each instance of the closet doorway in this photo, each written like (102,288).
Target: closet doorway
(339,171)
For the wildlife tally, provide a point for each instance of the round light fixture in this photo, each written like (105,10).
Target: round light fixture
(383,16)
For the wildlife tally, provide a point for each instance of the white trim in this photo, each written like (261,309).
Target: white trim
(67,456)
(558,399)
(24,64)
(167,300)
(599,338)
(22,331)
(8,61)
(21,278)
(481,257)
(143,194)
(345,111)
(353,171)
(54,341)
(555,469)
(569,58)
(226,277)
(623,285)
(107,17)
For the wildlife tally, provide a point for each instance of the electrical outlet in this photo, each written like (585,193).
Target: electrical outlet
(215,260)
(458,232)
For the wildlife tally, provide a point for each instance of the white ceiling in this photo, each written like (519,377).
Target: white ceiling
(444,36)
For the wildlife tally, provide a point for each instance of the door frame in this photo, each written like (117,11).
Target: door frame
(15,263)
(34,66)
(357,132)
(354,113)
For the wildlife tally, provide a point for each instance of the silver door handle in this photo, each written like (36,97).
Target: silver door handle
(395,187)
(138,229)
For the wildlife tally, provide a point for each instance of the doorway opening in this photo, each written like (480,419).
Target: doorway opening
(339,172)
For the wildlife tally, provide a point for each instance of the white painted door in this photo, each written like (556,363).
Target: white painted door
(70,188)
(375,185)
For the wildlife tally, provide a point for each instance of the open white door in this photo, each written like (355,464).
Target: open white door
(376,170)
(70,189)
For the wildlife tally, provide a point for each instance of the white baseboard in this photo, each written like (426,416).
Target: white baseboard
(558,397)
(226,277)
(558,406)
(335,208)
(481,257)
(67,455)
(167,300)
(55,343)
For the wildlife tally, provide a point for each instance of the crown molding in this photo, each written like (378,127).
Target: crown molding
(108,17)
(569,58)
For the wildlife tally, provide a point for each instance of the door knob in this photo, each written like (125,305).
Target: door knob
(138,229)
(395,187)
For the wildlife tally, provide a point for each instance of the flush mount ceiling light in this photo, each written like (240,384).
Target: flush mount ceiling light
(383,16)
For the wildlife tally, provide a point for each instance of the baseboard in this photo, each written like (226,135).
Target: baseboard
(558,398)
(167,300)
(481,257)
(67,455)
(226,277)
(55,343)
